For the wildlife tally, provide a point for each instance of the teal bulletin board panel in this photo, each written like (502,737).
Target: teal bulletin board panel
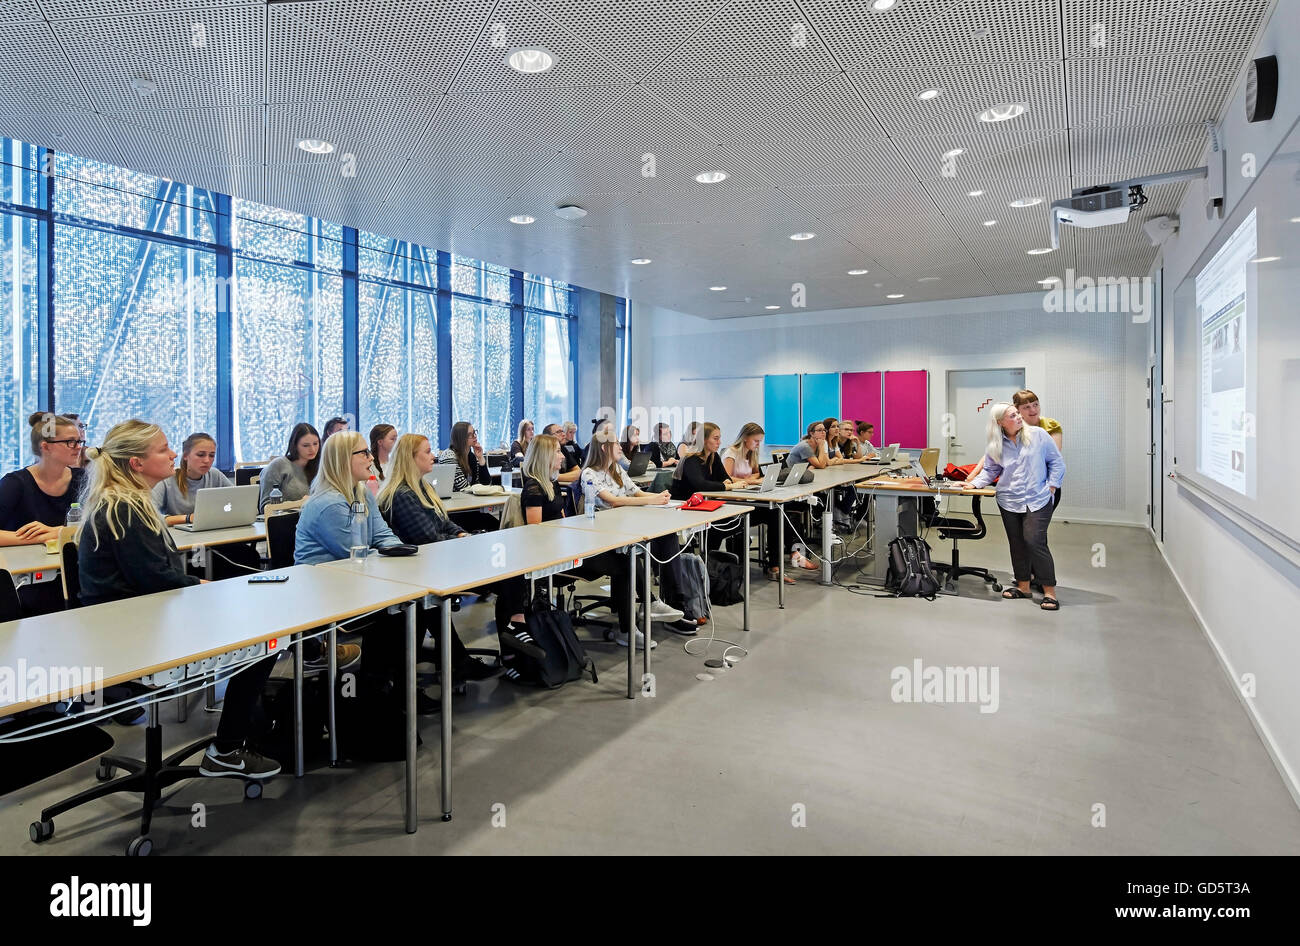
(781,409)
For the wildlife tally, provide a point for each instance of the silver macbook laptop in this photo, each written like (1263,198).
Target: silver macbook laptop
(770,476)
(889,453)
(795,474)
(442,479)
(223,507)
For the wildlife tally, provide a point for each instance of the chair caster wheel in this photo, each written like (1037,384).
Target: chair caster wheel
(41,831)
(252,789)
(139,847)
(446,817)
(997,587)
(104,772)
(609,634)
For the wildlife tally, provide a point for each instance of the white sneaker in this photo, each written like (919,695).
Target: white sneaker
(621,639)
(659,611)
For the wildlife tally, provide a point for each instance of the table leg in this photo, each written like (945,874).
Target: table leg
(332,643)
(645,616)
(780,553)
(444,645)
(886,530)
(745,569)
(828,530)
(297,706)
(182,709)
(631,614)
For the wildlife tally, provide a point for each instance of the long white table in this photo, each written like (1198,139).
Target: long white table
(443,569)
(646,523)
(152,634)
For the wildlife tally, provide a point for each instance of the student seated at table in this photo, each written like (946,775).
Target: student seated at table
(702,470)
(383,437)
(631,442)
(571,468)
(839,445)
(603,430)
(468,457)
(690,444)
(1029,469)
(293,473)
(414,512)
(125,550)
(34,500)
(572,449)
(613,489)
(663,452)
(174,496)
(866,437)
(341,514)
(523,437)
(740,460)
(811,449)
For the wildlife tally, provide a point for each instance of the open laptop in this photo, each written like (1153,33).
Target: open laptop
(919,470)
(792,475)
(222,507)
(771,474)
(638,462)
(888,454)
(442,479)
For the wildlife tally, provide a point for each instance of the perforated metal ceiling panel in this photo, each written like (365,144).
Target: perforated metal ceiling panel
(810,106)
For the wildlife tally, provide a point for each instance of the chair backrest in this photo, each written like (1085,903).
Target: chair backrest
(281,534)
(512,513)
(930,461)
(271,509)
(70,567)
(247,475)
(11,609)
(663,480)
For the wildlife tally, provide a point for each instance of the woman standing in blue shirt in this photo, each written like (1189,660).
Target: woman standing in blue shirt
(1028,467)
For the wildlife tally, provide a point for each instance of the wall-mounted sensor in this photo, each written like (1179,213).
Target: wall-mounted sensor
(570,212)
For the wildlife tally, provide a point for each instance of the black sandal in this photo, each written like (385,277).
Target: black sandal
(1012,593)
(1050,604)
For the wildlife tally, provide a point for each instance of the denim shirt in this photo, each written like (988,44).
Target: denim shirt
(327,523)
(1025,474)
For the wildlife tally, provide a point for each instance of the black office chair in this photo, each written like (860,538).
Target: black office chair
(955,528)
(11,608)
(245,474)
(281,534)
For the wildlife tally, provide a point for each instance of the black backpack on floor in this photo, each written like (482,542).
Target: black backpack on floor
(551,630)
(910,573)
(684,584)
(726,582)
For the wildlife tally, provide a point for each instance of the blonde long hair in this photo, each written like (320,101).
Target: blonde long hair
(996,433)
(751,429)
(538,460)
(336,466)
(111,484)
(403,472)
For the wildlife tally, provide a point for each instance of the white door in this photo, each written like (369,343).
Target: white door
(970,395)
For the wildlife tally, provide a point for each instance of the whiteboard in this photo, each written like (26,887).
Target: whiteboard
(730,403)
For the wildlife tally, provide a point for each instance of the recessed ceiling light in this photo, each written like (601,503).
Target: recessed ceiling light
(523,218)
(981,32)
(954,152)
(928,279)
(974,193)
(1266,259)
(641,261)
(315,146)
(882,5)
(771,307)
(711,177)
(989,223)
(570,212)
(894,295)
(928,94)
(1025,202)
(1050,280)
(1295,219)
(802,236)
(530,61)
(144,86)
(1040,251)
(1000,113)
(858,272)
(717,289)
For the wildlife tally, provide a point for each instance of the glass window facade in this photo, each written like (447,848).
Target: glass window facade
(125,295)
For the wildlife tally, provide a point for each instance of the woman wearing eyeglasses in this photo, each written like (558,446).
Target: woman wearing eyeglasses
(471,470)
(34,501)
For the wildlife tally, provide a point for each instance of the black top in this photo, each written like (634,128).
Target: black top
(533,495)
(22,501)
(661,453)
(415,523)
(140,563)
(572,456)
(697,477)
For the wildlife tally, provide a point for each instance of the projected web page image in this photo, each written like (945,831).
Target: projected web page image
(1223,307)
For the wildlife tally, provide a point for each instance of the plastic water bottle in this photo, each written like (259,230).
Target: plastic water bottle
(74,515)
(275,497)
(505,478)
(589,499)
(359,542)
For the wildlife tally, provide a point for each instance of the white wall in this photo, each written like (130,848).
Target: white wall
(1087,369)
(1246,598)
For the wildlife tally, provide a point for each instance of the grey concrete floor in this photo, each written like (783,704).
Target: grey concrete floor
(1117,700)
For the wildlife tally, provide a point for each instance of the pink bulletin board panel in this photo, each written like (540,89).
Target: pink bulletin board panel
(860,398)
(906,409)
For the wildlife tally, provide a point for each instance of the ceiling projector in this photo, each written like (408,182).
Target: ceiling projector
(1109,204)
